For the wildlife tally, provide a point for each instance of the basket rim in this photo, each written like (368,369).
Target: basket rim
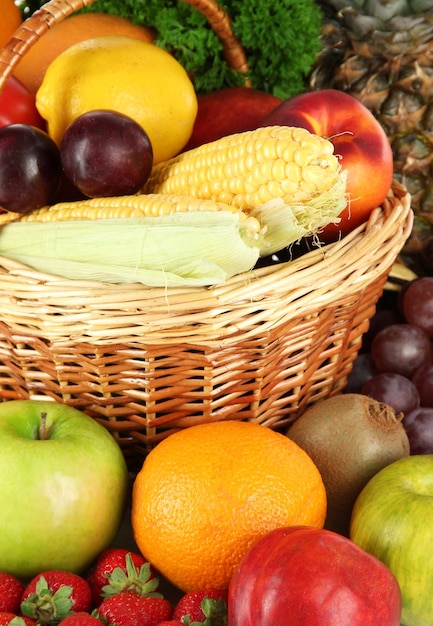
(69,311)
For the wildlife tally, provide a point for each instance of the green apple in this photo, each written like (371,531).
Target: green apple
(393,520)
(63,487)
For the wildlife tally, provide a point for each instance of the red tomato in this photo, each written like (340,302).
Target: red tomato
(17,105)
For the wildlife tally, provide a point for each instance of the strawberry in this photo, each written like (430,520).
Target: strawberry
(53,595)
(12,619)
(130,609)
(81,619)
(117,570)
(11,590)
(170,622)
(207,607)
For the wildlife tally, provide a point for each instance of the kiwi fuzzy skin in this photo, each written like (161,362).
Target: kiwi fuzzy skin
(350,437)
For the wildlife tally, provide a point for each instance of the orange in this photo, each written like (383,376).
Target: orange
(31,69)
(10,20)
(205,494)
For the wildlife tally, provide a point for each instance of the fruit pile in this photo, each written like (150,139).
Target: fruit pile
(208,504)
(215,506)
(122,589)
(108,128)
(396,362)
(325,522)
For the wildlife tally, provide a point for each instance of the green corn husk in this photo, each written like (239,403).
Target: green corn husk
(287,224)
(171,250)
(196,248)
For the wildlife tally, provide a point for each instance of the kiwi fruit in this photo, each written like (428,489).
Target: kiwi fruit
(350,437)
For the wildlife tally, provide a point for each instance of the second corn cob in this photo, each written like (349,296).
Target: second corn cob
(268,227)
(157,239)
(195,248)
(140,205)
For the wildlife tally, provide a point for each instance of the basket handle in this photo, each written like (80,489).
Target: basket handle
(54,11)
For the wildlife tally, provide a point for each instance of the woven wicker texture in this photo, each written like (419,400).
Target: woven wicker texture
(146,362)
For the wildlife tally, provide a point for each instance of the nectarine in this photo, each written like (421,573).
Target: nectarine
(359,140)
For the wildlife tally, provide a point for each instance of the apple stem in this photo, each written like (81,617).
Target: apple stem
(42,433)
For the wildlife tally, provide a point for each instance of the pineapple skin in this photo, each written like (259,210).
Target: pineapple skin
(388,66)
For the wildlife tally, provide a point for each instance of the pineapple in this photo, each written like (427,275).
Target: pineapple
(381,52)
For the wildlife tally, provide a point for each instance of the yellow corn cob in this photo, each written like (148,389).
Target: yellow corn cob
(249,169)
(141,205)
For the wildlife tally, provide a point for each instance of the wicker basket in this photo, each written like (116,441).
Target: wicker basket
(146,362)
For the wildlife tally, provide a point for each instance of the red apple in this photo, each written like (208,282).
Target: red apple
(227,111)
(17,105)
(302,575)
(358,139)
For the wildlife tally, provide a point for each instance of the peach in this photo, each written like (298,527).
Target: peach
(359,140)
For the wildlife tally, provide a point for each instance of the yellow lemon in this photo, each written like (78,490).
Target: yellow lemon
(124,74)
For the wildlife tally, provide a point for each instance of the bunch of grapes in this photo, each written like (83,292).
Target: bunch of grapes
(395,365)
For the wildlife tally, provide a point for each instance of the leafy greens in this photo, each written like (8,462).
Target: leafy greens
(280,39)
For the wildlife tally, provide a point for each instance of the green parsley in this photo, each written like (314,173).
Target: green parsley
(280,39)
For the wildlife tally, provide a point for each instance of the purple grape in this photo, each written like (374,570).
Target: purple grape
(401,349)
(419,429)
(418,303)
(423,381)
(363,369)
(381,319)
(393,389)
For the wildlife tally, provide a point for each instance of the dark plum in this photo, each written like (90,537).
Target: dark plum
(401,349)
(419,429)
(30,169)
(105,153)
(393,389)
